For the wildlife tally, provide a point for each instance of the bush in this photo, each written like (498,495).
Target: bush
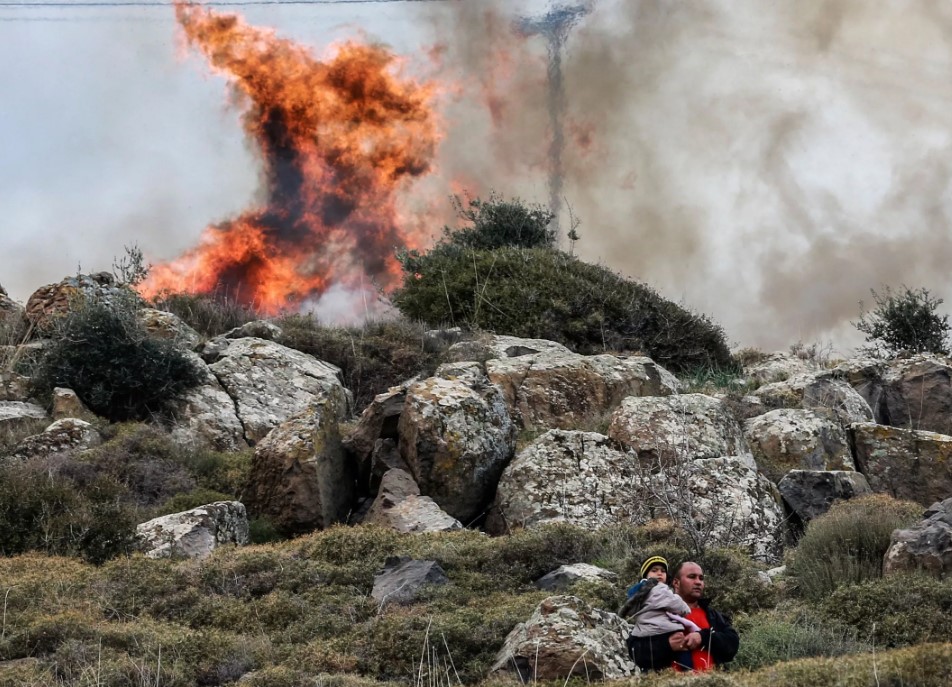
(102,352)
(544,293)
(500,223)
(209,315)
(895,610)
(846,545)
(905,321)
(372,357)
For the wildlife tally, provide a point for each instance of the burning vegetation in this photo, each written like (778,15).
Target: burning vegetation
(339,139)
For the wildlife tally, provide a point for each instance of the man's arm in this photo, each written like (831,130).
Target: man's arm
(721,640)
(652,653)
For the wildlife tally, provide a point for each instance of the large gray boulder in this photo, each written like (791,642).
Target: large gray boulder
(166,325)
(371,441)
(565,576)
(270,383)
(67,404)
(925,546)
(777,367)
(68,434)
(300,477)
(907,464)
(400,507)
(797,439)
(14,414)
(667,429)
(194,533)
(402,578)
(817,390)
(810,493)
(582,478)
(917,394)
(206,415)
(456,437)
(723,502)
(565,637)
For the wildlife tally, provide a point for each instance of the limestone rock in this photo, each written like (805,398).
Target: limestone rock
(270,383)
(54,300)
(400,507)
(925,546)
(686,427)
(456,438)
(16,413)
(565,637)
(206,415)
(582,478)
(300,477)
(817,390)
(904,463)
(917,394)
(166,325)
(68,434)
(401,579)
(810,493)
(378,423)
(724,502)
(797,439)
(259,329)
(67,404)
(194,533)
(777,367)
(565,576)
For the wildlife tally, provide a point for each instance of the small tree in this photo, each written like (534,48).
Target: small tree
(904,321)
(498,223)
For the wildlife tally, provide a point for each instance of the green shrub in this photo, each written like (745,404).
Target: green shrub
(544,293)
(209,315)
(895,610)
(372,357)
(190,500)
(846,545)
(905,321)
(102,352)
(500,223)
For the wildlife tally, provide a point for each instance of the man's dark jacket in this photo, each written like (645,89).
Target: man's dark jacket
(655,653)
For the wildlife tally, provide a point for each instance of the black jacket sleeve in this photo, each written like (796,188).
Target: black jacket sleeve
(651,653)
(721,640)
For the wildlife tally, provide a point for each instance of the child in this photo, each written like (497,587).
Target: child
(653,608)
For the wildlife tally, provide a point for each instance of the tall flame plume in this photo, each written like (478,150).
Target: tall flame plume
(339,139)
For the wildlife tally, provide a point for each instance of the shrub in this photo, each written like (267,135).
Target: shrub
(102,352)
(500,223)
(905,321)
(372,357)
(846,545)
(209,315)
(895,610)
(544,293)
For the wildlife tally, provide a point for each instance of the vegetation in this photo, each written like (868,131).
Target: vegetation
(906,320)
(101,351)
(209,315)
(846,545)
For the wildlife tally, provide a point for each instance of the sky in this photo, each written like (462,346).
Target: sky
(764,162)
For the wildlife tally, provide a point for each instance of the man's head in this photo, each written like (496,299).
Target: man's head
(688,582)
(656,567)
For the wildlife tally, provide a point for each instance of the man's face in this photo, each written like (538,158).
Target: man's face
(689,583)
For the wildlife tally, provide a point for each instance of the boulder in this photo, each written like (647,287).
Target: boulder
(723,502)
(13,386)
(166,325)
(300,477)
(547,386)
(810,493)
(917,394)
(667,429)
(206,415)
(55,300)
(194,533)
(905,463)
(456,438)
(259,329)
(817,390)
(402,578)
(778,367)
(565,576)
(270,383)
(68,434)
(67,404)
(797,439)
(375,432)
(925,546)
(564,638)
(582,478)
(8,306)
(15,414)
(399,506)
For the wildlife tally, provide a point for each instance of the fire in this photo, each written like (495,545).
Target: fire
(340,140)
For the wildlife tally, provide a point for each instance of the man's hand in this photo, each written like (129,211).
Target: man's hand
(676,641)
(692,641)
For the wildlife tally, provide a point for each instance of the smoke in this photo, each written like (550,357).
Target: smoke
(765,163)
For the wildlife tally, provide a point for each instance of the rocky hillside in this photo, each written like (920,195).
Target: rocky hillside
(476,522)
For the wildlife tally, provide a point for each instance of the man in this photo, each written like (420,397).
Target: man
(713,645)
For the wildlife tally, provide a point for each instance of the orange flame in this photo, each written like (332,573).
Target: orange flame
(339,140)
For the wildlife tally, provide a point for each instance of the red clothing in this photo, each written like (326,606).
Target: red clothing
(701,657)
